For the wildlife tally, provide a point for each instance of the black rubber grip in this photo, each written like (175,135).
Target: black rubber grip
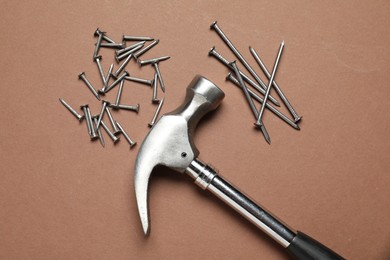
(303,247)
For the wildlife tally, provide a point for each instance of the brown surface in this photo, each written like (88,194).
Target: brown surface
(63,197)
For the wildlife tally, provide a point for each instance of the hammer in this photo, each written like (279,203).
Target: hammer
(170,143)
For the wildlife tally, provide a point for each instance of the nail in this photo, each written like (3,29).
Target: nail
(126,54)
(110,134)
(87,120)
(127,137)
(155,65)
(107,79)
(119,79)
(104,105)
(139,53)
(99,41)
(249,99)
(71,110)
(122,66)
(89,85)
(97,60)
(137,38)
(148,82)
(262,106)
(215,26)
(277,88)
(269,106)
(128,48)
(112,121)
(95,120)
(105,37)
(225,62)
(118,95)
(156,113)
(120,45)
(155,60)
(154,98)
(126,107)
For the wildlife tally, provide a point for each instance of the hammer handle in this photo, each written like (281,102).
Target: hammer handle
(299,245)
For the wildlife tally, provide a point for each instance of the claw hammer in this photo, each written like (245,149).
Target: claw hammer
(170,143)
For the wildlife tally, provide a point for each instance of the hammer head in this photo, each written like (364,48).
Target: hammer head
(170,143)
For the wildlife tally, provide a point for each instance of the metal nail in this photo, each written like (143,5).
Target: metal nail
(259,122)
(120,45)
(107,79)
(139,53)
(154,98)
(249,100)
(119,79)
(112,121)
(277,88)
(99,41)
(122,66)
(99,65)
(89,85)
(87,120)
(118,95)
(95,120)
(148,82)
(126,54)
(156,113)
(155,60)
(126,107)
(71,110)
(110,134)
(155,65)
(127,137)
(215,26)
(128,48)
(269,106)
(104,105)
(225,62)
(137,38)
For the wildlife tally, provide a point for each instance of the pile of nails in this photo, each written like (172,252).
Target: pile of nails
(240,79)
(125,53)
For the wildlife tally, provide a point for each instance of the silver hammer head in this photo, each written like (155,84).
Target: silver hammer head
(170,143)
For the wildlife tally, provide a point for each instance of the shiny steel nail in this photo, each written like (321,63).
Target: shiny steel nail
(249,100)
(155,65)
(71,110)
(104,105)
(87,119)
(259,121)
(277,88)
(118,95)
(120,45)
(154,98)
(122,66)
(156,113)
(112,121)
(105,37)
(89,85)
(99,41)
(137,38)
(260,88)
(139,53)
(155,60)
(119,79)
(110,134)
(127,137)
(128,48)
(148,82)
(95,120)
(126,107)
(99,65)
(126,54)
(231,78)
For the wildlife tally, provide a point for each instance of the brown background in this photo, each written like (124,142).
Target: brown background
(64,197)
